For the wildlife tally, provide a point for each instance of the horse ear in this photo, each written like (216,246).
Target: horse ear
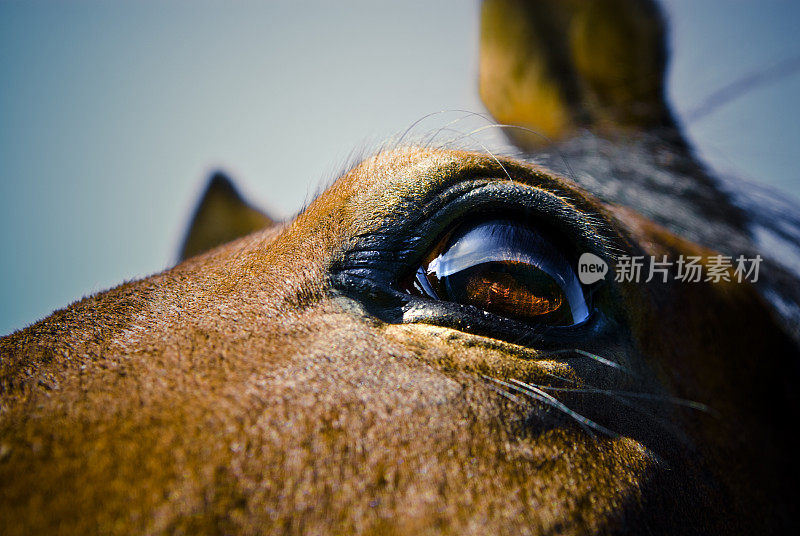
(558,66)
(221,216)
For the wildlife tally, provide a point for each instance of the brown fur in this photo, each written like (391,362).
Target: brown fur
(239,392)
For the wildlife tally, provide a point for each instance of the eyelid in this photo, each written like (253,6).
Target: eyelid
(372,264)
(400,244)
(584,232)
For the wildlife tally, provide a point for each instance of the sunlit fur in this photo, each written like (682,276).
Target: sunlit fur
(236,392)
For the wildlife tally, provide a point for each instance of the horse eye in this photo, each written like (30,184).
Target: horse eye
(503,267)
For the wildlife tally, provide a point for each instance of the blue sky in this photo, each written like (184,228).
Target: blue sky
(112,114)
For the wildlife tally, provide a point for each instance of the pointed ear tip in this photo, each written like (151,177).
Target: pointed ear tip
(220,180)
(220,185)
(220,215)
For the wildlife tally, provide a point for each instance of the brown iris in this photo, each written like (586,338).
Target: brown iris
(503,293)
(503,267)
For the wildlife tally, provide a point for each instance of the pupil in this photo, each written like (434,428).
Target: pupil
(511,289)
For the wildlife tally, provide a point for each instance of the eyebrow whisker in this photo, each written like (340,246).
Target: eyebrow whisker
(467,115)
(417,122)
(502,126)
(486,149)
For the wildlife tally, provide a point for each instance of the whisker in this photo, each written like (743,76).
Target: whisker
(467,115)
(595,357)
(632,394)
(506,394)
(541,396)
(491,124)
(619,396)
(548,400)
(415,123)
(548,141)
(572,413)
(470,134)
(490,153)
(562,378)
(663,423)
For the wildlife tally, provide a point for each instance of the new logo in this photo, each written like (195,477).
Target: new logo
(591,268)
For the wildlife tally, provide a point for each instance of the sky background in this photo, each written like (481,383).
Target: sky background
(113,114)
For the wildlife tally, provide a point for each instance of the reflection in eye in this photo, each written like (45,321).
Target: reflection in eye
(503,267)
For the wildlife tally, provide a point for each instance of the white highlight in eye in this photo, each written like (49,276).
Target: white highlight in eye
(508,241)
